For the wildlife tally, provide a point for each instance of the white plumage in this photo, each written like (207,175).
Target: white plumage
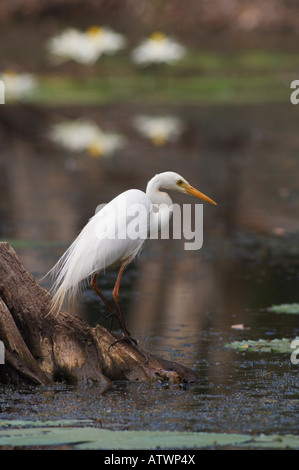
(105,241)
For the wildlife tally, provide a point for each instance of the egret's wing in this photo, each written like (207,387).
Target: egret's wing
(113,236)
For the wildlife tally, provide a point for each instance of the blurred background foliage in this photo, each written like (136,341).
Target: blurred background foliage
(270,15)
(237,50)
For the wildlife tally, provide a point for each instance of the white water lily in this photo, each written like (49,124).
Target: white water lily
(105,144)
(159,129)
(106,40)
(158,48)
(17,86)
(85,47)
(85,135)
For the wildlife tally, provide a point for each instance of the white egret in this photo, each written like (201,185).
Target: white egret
(93,251)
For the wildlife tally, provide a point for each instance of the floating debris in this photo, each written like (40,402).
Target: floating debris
(240,326)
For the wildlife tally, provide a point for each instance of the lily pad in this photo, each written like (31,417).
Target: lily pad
(285,308)
(263,345)
(82,436)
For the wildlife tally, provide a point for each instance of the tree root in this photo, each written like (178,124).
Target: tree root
(44,349)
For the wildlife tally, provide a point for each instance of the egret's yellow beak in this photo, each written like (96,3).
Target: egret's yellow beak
(194,192)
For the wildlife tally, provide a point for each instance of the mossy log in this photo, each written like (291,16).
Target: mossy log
(44,349)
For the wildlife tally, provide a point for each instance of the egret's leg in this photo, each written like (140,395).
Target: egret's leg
(93,284)
(115,297)
(127,337)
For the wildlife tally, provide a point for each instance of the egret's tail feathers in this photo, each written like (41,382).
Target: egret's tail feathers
(57,302)
(88,254)
(65,289)
(68,280)
(63,298)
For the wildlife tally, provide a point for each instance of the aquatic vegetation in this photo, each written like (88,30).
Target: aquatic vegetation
(262,345)
(84,435)
(285,308)
(85,47)
(158,48)
(85,135)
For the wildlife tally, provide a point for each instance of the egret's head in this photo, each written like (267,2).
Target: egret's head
(175,182)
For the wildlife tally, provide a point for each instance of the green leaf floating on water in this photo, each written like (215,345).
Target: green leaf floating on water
(263,345)
(285,308)
(82,435)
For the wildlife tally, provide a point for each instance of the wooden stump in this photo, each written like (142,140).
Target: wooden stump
(42,348)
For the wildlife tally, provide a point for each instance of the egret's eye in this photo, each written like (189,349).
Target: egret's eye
(179,182)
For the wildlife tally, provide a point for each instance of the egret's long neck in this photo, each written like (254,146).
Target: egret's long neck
(155,194)
(162,206)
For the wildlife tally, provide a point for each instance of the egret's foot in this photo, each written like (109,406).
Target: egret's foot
(132,342)
(126,339)
(110,316)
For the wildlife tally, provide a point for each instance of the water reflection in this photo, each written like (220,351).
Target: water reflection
(246,160)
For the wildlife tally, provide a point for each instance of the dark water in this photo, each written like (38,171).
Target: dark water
(179,304)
